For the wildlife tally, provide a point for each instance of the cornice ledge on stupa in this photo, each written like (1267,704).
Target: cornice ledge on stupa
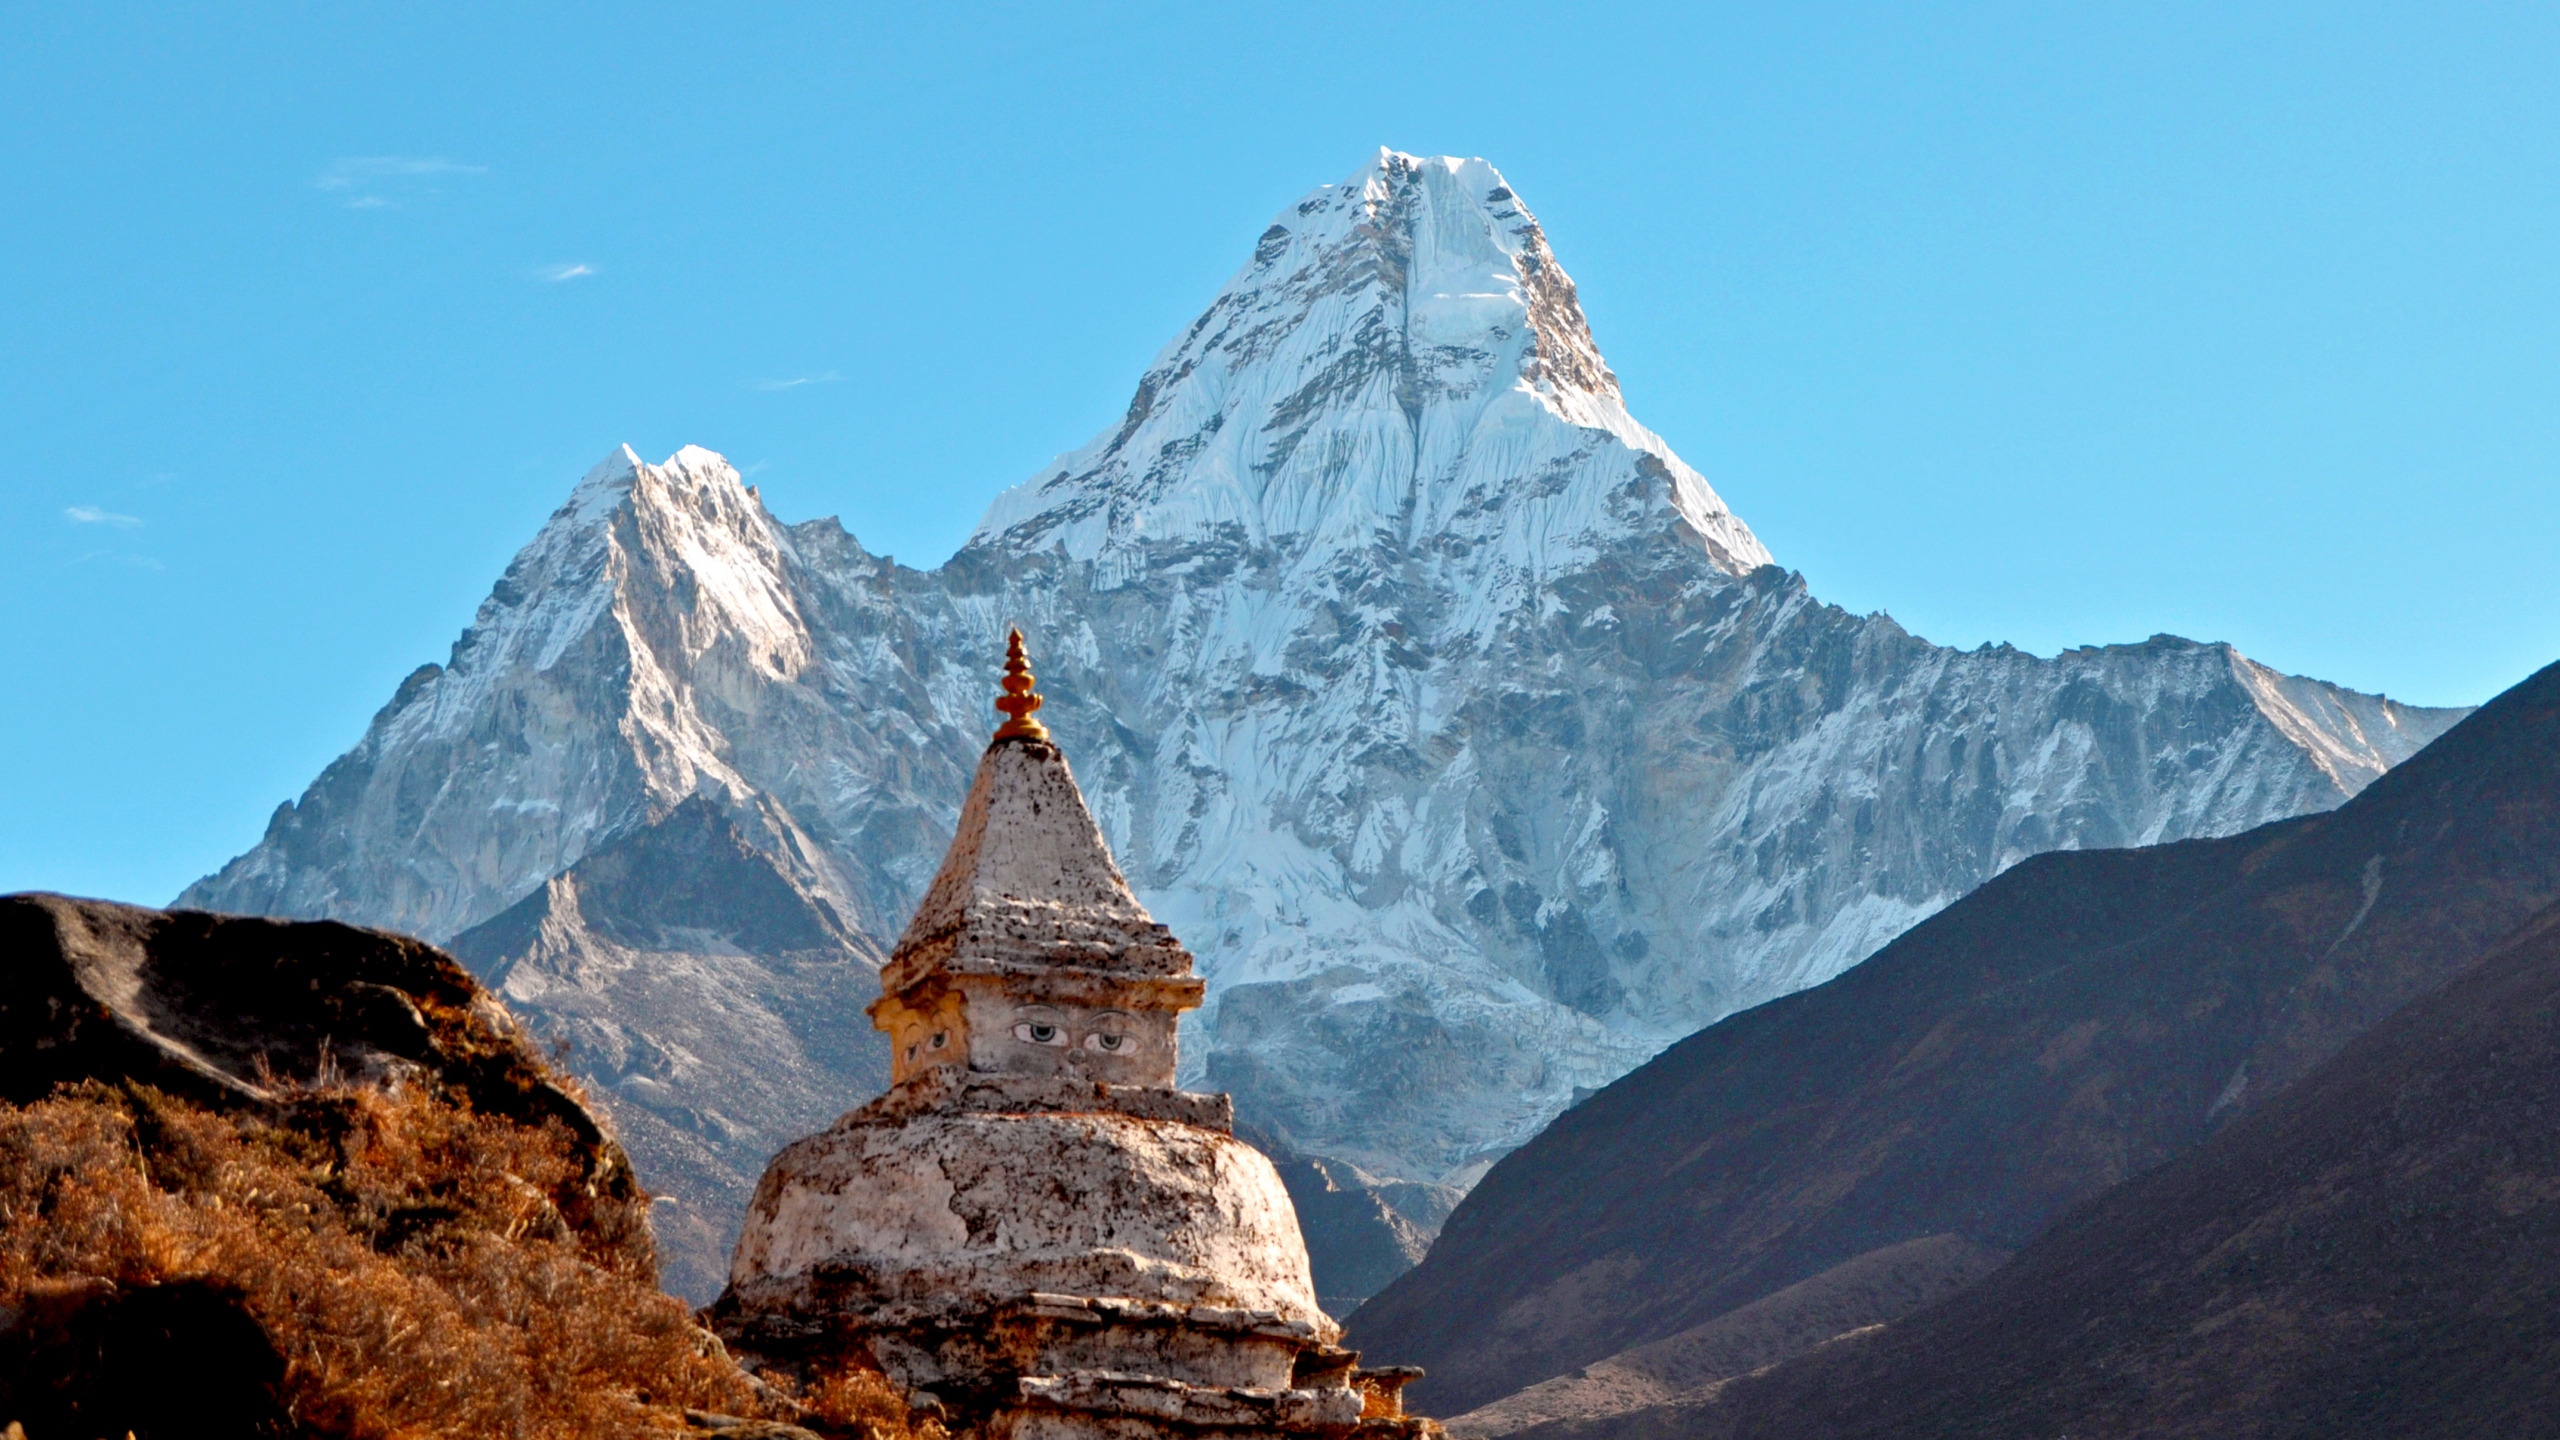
(1130,1310)
(946,1089)
(1060,984)
(1038,930)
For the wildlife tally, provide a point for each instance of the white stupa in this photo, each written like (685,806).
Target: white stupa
(1033,1226)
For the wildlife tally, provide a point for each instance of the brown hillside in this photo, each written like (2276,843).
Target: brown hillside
(2073,1023)
(261,1178)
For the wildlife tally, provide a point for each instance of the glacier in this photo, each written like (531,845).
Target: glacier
(1469,739)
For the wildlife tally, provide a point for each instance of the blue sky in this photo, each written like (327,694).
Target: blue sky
(2047,324)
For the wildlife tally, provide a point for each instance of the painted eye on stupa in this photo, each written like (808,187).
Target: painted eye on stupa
(941,1038)
(1040,1032)
(1108,1032)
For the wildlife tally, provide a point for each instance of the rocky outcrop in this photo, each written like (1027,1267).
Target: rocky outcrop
(2078,1021)
(262,1178)
(223,1010)
(1462,726)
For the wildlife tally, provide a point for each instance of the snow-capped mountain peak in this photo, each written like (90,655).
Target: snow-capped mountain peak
(681,550)
(1454,724)
(1401,358)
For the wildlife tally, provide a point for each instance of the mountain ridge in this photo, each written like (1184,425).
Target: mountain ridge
(1452,720)
(2077,1021)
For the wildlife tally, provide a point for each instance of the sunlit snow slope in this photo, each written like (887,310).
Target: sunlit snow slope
(1471,742)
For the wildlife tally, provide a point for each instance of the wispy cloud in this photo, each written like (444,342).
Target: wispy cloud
(574,270)
(795,382)
(372,182)
(355,172)
(92,515)
(125,558)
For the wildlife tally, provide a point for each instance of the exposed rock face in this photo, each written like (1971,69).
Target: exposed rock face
(2076,1022)
(1361,1231)
(1458,721)
(1033,1225)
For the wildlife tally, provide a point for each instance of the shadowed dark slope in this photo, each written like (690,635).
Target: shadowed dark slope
(2073,1023)
(2374,1253)
(710,995)
(1884,1285)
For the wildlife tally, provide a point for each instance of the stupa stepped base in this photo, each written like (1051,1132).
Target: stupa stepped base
(1051,1367)
(1113,1405)
(1111,1402)
(971,1356)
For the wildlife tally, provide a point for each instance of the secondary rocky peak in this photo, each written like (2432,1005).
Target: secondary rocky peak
(1401,358)
(720,554)
(594,691)
(680,557)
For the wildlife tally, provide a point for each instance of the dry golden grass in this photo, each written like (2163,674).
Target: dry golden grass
(862,1402)
(401,1253)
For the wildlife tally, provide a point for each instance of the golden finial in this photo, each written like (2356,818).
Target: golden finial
(1018,699)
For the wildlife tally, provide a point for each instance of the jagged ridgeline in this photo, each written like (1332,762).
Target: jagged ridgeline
(1472,742)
